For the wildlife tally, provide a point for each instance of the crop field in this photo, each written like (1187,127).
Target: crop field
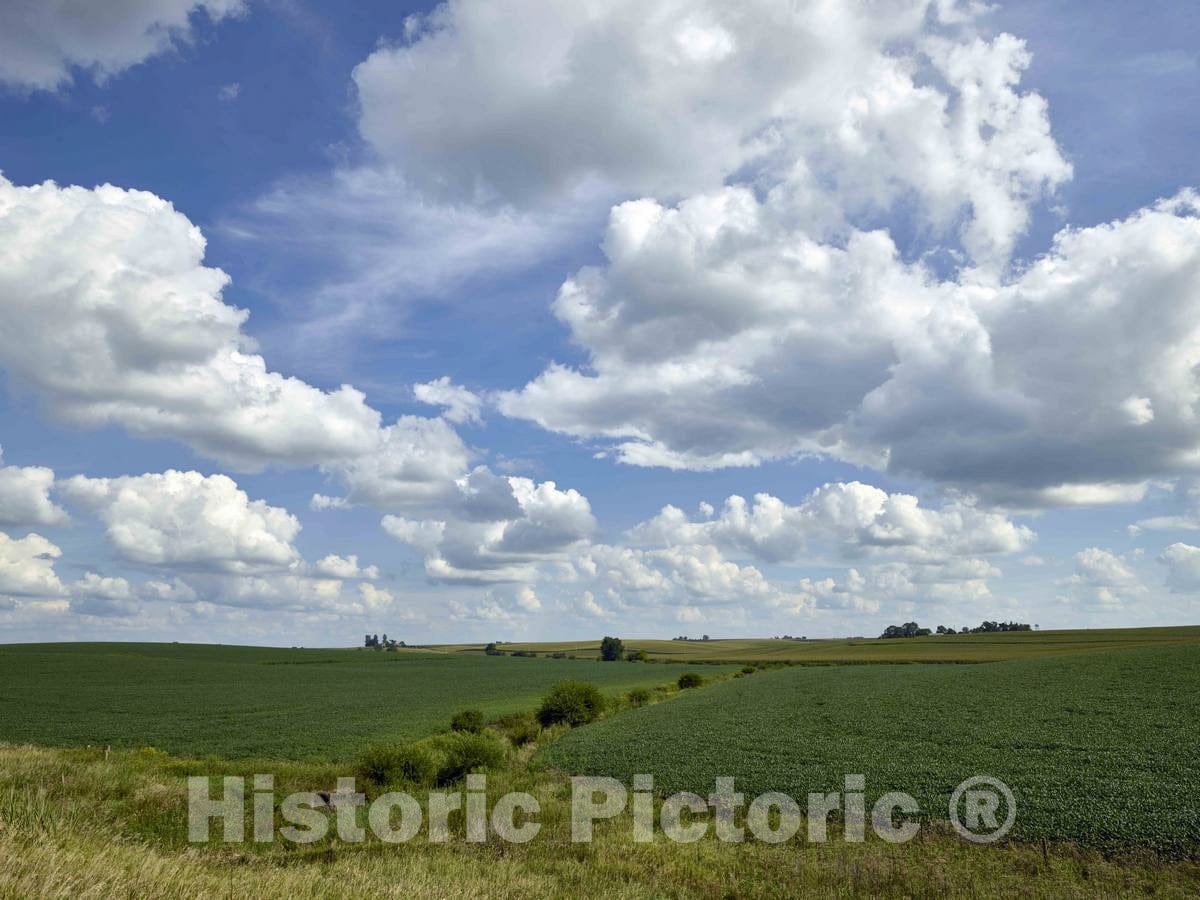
(246,701)
(957,648)
(1102,750)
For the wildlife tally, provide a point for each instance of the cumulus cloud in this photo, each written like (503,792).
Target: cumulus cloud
(43,43)
(334,566)
(411,464)
(25,496)
(666,99)
(1102,579)
(1183,567)
(854,111)
(108,314)
(27,567)
(497,529)
(95,595)
(855,519)
(461,405)
(718,337)
(189,520)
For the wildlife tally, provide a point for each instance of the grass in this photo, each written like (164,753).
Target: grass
(1100,749)
(77,825)
(958,648)
(246,701)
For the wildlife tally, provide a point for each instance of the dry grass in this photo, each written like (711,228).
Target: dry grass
(76,825)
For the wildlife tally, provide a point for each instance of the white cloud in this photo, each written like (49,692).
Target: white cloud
(42,43)
(174,591)
(374,599)
(667,99)
(1183,567)
(189,520)
(95,595)
(25,496)
(720,335)
(229,92)
(685,575)
(853,518)
(108,314)
(1102,579)
(334,566)
(497,529)
(412,464)
(27,567)
(323,501)
(461,405)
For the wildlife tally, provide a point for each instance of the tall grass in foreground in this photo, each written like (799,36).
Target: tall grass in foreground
(76,825)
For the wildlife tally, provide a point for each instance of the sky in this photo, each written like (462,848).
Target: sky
(504,320)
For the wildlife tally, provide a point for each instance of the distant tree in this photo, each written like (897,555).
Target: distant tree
(690,680)
(636,656)
(492,650)
(907,630)
(705,638)
(611,649)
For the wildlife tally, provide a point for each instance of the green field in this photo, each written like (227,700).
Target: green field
(1100,749)
(249,701)
(957,648)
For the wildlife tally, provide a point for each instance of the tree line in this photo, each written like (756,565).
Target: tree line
(912,629)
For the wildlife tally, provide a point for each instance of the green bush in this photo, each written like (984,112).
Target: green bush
(573,702)
(524,732)
(469,721)
(391,763)
(638,697)
(520,728)
(748,670)
(636,656)
(466,753)
(690,680)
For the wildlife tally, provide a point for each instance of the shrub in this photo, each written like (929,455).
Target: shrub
(573,702)
(611,649)
(466,753)
(748,670)
(638,697)
(636,656)
(690,680)
(558,654)
(389,763)
(520,729)
(469,721)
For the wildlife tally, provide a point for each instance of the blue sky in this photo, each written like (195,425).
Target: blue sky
(398,197)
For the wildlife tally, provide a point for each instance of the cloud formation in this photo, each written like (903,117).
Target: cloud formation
(668,99)
(43,43)
(27,567)
(189,520)
(25,497)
